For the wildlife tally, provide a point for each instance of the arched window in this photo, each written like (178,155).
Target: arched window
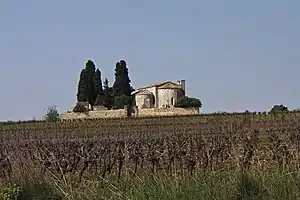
(152,101)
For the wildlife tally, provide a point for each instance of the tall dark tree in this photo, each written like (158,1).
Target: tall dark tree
(108,94)
(89,72)
(90,85)
(82,88)
(122,82)
(126,89)
(98,88)
(121,87)
(98,82)
(105,86)
(118,80)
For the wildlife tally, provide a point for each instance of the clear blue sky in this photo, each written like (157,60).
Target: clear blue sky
(234,54)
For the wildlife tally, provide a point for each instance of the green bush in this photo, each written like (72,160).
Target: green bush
(188,102)
(52,114)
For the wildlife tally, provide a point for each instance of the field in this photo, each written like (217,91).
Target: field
(217,156)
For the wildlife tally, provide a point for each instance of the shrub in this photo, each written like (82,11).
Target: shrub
(79,108)
(52,114)
(279,108)
(188,102)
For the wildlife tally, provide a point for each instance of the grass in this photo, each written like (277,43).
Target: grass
(272,184)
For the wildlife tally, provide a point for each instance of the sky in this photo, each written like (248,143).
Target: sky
(234,55)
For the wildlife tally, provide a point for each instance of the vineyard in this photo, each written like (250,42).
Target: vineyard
(127,148)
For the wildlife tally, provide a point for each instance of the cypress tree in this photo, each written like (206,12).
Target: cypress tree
(89,76)
(82,88)
(122,82)
(90,84)
(122,88)
(108,95)
(98,88)
(90,87)
(98,82)
(118,80)
(126,88)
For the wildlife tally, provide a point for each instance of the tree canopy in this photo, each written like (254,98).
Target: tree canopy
(52,114)
(188,102)
(82,88)
(91,90)
(90,85)
(108,100)
(98,88)
(122,89)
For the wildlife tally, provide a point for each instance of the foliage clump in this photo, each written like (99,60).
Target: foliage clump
(279,109)
(90,88)
(188,102)
(121,88)
(52,114)
(90,85)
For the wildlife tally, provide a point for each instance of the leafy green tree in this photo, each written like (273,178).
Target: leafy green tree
(188,102)
(51,114)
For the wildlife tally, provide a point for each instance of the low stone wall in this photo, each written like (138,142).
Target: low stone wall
(167,112)
(94,114)
(122,113)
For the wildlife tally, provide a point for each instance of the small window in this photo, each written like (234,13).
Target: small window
(173,101)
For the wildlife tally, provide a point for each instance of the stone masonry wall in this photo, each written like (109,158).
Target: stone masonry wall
(122,113)
(140,100)
(162,96)
(165,97)
(168,112)
(94,114)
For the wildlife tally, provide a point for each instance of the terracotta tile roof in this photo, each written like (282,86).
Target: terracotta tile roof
(141,91)
(166,84)
(159,84)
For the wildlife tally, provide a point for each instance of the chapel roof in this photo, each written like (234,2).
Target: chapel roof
(142,91)
(165,84)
